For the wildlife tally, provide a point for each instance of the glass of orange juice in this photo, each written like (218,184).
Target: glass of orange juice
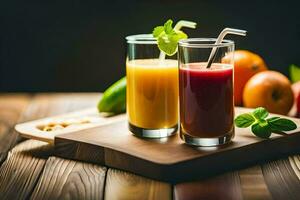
(152,89)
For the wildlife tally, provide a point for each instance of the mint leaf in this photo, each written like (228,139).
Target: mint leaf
(272,119)
(168,37)
(294,73)
(168,43)
(168,47)
(157,31)
(262,127)
(260,113)
(178,36)
(168,27)
(263,122)
(244,120)
(281,124)
(261,130)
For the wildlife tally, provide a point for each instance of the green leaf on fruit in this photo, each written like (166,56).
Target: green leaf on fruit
(294,73)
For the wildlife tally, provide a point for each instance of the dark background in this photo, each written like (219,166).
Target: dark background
(75,46)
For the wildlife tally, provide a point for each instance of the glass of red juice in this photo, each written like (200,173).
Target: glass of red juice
(206,91)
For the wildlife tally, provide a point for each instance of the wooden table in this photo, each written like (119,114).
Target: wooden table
(29,169)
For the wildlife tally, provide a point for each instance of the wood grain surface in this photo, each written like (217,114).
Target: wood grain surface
(23,167)
(164,159)
(11,108)
(65,179)
(253,185)
(20,172)
(225,186)
(125,186)
(31,172)
(281,179)
(295,164)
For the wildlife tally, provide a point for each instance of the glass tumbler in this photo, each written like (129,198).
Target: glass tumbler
(206,91)
(152,89)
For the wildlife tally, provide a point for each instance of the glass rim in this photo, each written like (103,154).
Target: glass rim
(199,43)
(141,39)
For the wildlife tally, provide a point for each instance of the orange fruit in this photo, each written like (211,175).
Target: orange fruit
(246,64)
(269,89)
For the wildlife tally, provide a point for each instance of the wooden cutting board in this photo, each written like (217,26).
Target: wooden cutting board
(169,159)
(72,122)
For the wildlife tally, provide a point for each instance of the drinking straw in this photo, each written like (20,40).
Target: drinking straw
(220,39)
(184,23)
(162,57)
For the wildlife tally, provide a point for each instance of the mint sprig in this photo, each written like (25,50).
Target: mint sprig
(168,37)
(262,126)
